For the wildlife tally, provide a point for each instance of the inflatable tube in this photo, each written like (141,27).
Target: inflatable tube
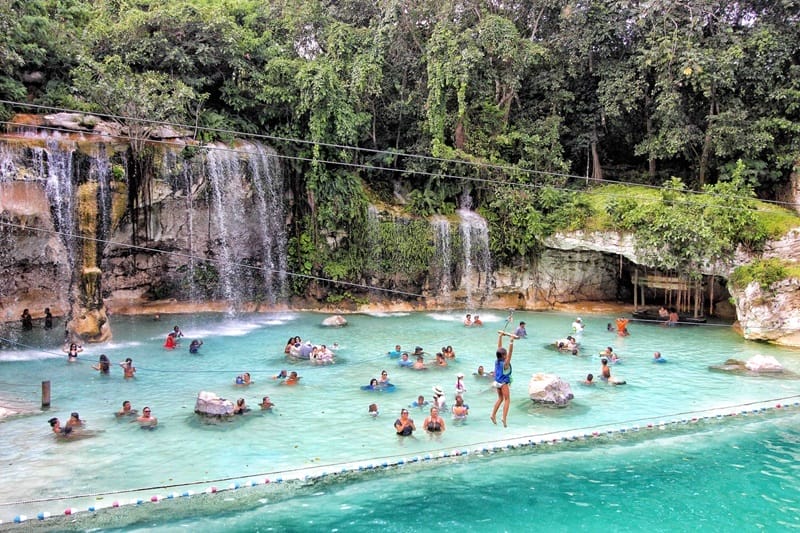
(380,388)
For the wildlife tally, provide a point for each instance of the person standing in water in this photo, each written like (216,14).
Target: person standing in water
(48,318)
(502,376)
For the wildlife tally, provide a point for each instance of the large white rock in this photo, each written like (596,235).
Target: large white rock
(336,321)
(763,363)
(209,404)
(549,389)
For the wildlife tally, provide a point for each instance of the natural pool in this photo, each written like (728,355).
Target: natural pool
(722,475)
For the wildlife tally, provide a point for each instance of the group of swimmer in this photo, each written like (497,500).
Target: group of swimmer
(469,320)
(318,354)
(434,423)
(404,425)
(75,427)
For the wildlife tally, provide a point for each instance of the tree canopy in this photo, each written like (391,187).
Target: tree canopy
(514,99)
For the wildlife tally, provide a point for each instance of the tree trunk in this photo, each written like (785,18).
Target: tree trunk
(651,159)
(597,169)
(706,153)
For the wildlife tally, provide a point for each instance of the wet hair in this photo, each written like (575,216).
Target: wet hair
(589,377)
(53,421)
(501,352)
(604,361)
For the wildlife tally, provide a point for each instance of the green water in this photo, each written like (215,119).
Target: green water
(696,478)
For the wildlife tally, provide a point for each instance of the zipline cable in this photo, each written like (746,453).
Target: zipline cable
(241,134)
(219,262)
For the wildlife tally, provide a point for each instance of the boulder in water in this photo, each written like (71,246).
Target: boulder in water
(549,389)
(211,405)
(335,321)
(763,363)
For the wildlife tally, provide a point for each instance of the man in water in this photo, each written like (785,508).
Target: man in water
(521,332)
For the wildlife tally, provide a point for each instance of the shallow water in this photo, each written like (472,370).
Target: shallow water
(324,422)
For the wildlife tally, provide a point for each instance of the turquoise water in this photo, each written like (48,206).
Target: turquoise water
(723,475)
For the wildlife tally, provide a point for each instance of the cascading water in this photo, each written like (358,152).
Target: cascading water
(100,172)
(267,182)
(233,197)
(477,268)
(55,166)
(443,260)
(227,210)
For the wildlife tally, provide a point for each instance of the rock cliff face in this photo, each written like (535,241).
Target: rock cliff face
(771,314)
(215,237)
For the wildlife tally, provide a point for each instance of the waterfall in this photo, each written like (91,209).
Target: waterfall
(100,172)
(477,266)
(443,260)
(54,165)
(243,181)
(265,173)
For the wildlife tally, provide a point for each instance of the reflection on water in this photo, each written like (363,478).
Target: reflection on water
(324,419)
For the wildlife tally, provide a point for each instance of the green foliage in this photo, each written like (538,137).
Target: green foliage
(301,258)
(403,246)
(765,272)
(685,231)
(202,278)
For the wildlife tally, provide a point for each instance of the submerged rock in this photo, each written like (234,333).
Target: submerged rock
(335,321)
(210,405)
(755,366)
(549,389)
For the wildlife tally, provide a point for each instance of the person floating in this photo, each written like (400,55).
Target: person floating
(657,358)
(502,377)
(373,410)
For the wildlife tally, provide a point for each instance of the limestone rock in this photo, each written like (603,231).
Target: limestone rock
(549,389)
(209,404)
(771,314)
(335,321)
(763,363)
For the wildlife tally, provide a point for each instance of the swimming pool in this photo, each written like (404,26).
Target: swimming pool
(323,424)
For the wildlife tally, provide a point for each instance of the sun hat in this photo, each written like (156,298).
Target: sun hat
(437,390)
